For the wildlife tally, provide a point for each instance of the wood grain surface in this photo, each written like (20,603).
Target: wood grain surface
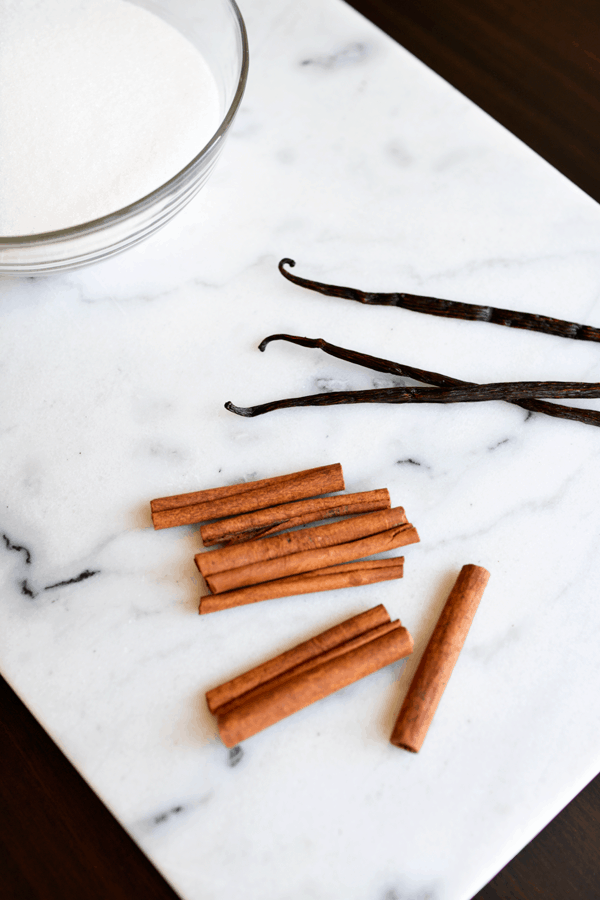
(534,66)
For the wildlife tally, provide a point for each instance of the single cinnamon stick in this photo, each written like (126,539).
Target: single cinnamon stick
(309,560)
(278,545)
(228,490)
(288,696)
(264,522)
(328,579)
(439,659)
(232,500)
(358,641)
(320,643)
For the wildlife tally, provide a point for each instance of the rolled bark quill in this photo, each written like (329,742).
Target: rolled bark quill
(291,695)
(309,560)
(327,579)
(263,522)
(315,646)
(335,652)
(439,659)
(278,545)
(318,676)
(232,500)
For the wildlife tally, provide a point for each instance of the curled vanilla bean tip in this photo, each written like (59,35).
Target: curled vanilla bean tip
(266,341)
(239,410)
(286,262)
(292,338)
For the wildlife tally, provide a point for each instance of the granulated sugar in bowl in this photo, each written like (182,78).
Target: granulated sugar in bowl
(112,114)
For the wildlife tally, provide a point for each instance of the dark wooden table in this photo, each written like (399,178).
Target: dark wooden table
(534,66)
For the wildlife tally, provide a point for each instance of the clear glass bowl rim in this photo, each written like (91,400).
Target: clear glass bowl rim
(165,189)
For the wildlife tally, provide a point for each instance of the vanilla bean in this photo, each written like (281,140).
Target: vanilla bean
(585,416)
(450,309)
(506,390)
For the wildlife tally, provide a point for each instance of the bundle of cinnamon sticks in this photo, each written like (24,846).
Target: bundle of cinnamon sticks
(259,559)
(262,559)
(306,673)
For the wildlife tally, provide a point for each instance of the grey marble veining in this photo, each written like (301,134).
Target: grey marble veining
(366,168)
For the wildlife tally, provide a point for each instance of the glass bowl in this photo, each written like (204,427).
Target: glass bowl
(217,30)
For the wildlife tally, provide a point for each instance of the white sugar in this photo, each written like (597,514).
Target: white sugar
(101,102)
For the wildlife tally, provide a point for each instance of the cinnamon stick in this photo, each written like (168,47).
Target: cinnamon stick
(232,500)
(439,659)
(278,545)
(308,560)
(320,643)
(358,641)
(289,515)
(286,697)
(328,579)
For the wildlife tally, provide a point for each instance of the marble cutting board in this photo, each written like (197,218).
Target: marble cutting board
(356,160)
